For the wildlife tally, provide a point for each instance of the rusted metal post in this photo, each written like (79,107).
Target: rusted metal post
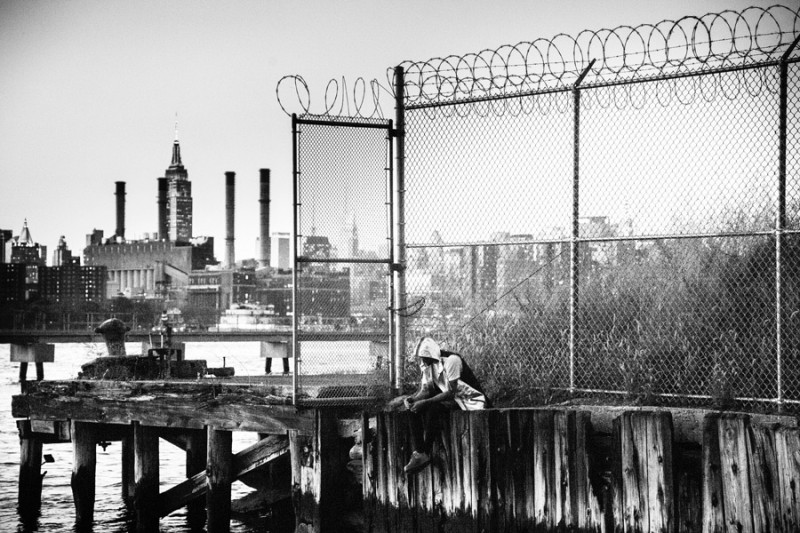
(399,254)
(780,221)
(295,294)
(574,277)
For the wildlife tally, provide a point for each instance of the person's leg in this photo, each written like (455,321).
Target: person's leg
(432,419)
(425,428)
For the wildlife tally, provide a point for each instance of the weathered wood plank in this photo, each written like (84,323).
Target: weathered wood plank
(368,472)
(763,479)
(180,412)
(403,447)
(245,461)
(734,452)
(219,477)
(521,427)
(689,494)
(145,448)
(713,500)
(543,469)
(29,494)
(481,468)
(628,475)
(501,481)
(562,506)
(381,450)
(394,470)
(787,448)
(84,466)
(660,483)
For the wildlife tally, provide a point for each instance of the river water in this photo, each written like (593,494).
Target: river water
(58,512)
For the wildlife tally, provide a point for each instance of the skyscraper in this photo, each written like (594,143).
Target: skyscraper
(179,198)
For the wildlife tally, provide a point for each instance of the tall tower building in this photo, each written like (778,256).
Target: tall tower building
(179,198)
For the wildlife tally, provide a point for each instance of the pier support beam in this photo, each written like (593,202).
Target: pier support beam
(128,469)
(145,444)
(84,466)
(29,497)
(317,467)
(196,457)
(220,476)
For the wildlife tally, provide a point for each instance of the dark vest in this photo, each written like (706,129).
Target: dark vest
(467,375)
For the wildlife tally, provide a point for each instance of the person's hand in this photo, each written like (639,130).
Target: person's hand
(408,401)
(417,406)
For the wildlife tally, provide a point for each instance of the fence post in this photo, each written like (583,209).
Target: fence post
(780,222)
(399,266)
(574,261)
(295,295)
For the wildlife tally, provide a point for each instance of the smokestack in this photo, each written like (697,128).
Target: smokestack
(230,257)
(264,242)
(120,209)
(163,188)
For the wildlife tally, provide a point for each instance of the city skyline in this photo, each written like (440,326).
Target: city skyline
(90,100)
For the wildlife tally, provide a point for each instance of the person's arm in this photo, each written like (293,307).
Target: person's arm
(425,391)
(449,394)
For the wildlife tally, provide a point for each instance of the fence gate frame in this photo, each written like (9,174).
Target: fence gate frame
(393,190)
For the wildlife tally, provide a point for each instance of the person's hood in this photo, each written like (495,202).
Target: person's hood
(427,347)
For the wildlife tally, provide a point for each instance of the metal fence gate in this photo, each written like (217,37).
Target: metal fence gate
(342,253)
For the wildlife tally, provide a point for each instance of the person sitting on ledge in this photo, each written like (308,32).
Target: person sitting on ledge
(447,384)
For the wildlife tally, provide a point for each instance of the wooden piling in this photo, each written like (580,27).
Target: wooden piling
(219,471)
(787,448)
(146,458)
(734,452)
(84,467)
(128,467)
(29,497)
(196,456)
(643,470)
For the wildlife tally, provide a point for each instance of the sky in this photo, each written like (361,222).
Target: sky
(90,91)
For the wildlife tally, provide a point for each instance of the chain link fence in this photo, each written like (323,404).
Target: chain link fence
(614,214)
(343,246)
(632,237)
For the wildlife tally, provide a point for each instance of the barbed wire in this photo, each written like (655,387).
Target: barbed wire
(719,45)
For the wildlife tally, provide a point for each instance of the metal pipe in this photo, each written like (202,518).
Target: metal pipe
(399,267)
(295,299)
(574,276)
(780,221)
(393,354)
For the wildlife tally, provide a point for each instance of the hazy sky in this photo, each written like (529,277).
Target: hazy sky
(89,91)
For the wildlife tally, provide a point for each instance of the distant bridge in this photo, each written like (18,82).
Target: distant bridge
(28,336)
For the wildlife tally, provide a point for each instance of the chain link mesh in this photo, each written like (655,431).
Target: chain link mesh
(677,189)
(343,247)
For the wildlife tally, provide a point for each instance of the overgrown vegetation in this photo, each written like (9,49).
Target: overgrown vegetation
(675,321)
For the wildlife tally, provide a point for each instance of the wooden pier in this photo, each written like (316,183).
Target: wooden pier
(565,469)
